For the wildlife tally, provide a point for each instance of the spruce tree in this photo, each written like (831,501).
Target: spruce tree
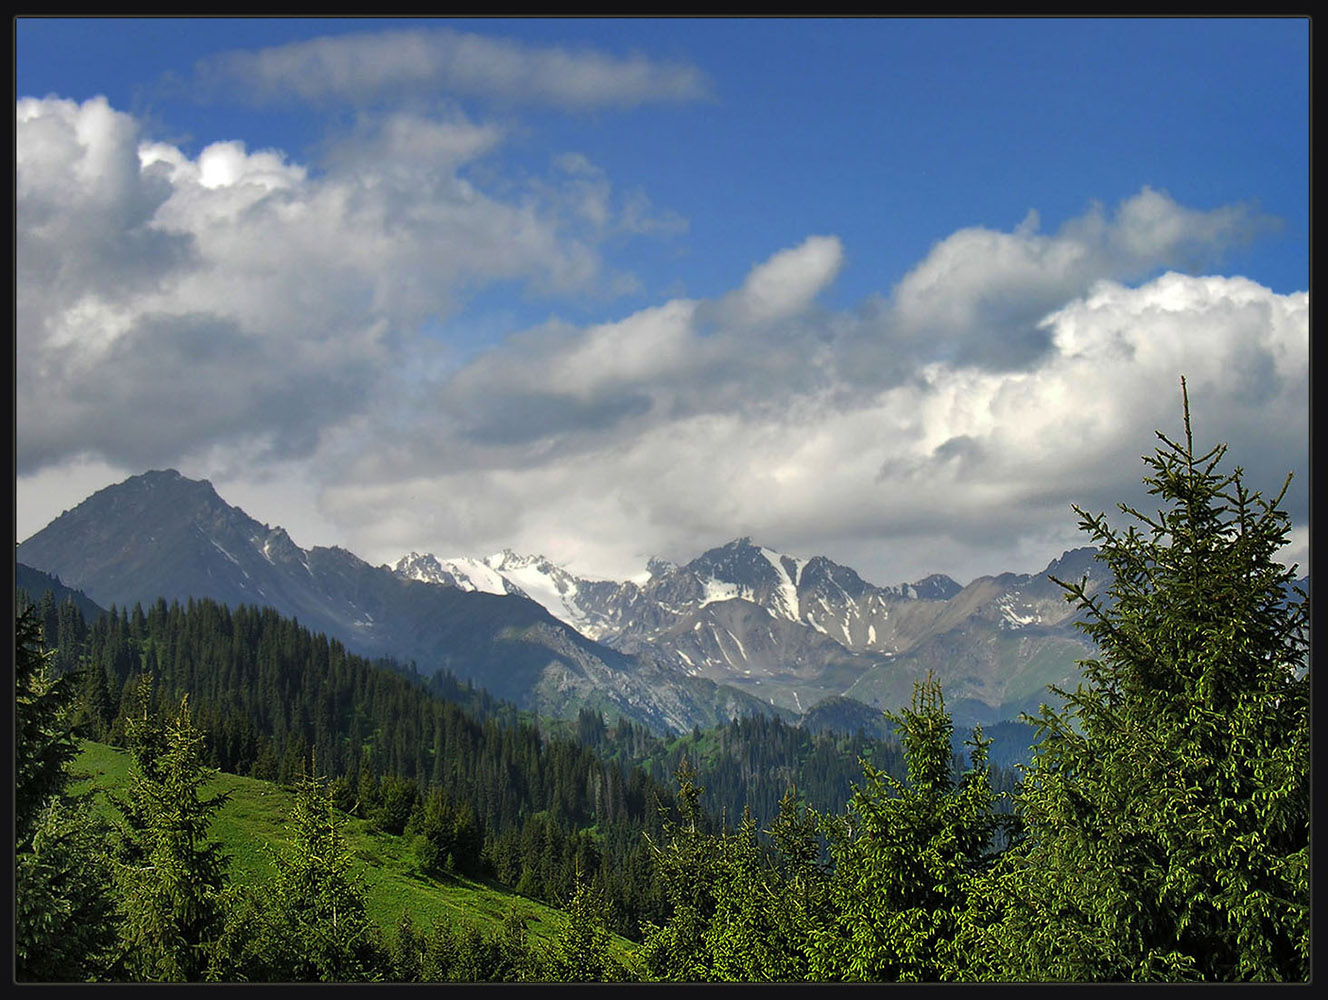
(687,867)
(169,875)
(908,855)
(580,952)
(44,742)
(309,923)
(62,886)
(1168,804)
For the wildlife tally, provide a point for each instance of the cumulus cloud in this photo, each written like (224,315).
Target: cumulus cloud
(235,313)
(364,67)
(980,294)
(168,303)
(959,469)
(784,285)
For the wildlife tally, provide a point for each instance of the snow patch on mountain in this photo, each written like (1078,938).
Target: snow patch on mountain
(786,596)
(533,577)
(1010,618)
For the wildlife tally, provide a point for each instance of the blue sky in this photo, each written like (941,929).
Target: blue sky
(607,289)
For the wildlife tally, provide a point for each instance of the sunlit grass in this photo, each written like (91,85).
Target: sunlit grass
(252,825)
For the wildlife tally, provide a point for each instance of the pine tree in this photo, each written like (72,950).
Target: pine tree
(580,952)
(44,742)
(64,907)
(309,923)
(757,932)
(686,869)
(1168,804)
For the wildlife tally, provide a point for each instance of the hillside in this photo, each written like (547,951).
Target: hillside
(252,825)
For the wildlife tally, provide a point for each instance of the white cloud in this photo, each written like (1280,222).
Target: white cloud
(246,317)
(786,284)
(961,469)
(979,294)
(364,67)
(167,304)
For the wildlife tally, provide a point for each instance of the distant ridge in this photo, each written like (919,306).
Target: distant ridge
(162,535)
(739,629)
(36,583)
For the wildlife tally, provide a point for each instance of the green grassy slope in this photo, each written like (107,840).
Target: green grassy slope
(252,824)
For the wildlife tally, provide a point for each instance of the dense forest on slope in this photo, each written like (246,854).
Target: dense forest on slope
(487,789)
(272,699)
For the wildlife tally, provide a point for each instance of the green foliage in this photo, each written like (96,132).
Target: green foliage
(755,934)
(64,903)
(463,953)
(268,693)
(169,875)
(309,922)
(447,837)
(580,953)
(907,857)
(737,914)
(1168,804)
(395,802)
(63,892)
(686,865)
(44,743)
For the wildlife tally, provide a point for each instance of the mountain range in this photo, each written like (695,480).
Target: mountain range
(739,629)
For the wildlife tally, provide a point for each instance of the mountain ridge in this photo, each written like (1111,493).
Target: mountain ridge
(795,630)
(160,535)
(739,628)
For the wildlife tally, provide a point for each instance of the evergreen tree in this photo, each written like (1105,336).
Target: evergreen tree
(754,934)
(1167,806)
(580,953)
(309,923)
(44,742)
(686,868)
(169,876)
(64,903)
(62,886)
(907,857)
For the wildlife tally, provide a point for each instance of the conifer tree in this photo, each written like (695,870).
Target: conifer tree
(908,855)
(580,953)
(44,742)
(62,885)
(686,867)
(169,875)
(1168,804)
(754,934)
(309,923)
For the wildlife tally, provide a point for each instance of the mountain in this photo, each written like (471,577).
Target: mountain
(587,605)
(794,632)
(740,628)
(161,535)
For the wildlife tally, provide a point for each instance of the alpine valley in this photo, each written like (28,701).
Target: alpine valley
(740,629)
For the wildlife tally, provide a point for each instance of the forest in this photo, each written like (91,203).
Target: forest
(1160,830)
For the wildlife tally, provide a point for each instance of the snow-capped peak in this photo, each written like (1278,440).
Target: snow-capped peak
(534,577)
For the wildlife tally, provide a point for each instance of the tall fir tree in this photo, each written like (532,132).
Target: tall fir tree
(580,952)
(63,899)
(309,923)
(44,742)
(169,875)
(1168,804)
(908,856)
